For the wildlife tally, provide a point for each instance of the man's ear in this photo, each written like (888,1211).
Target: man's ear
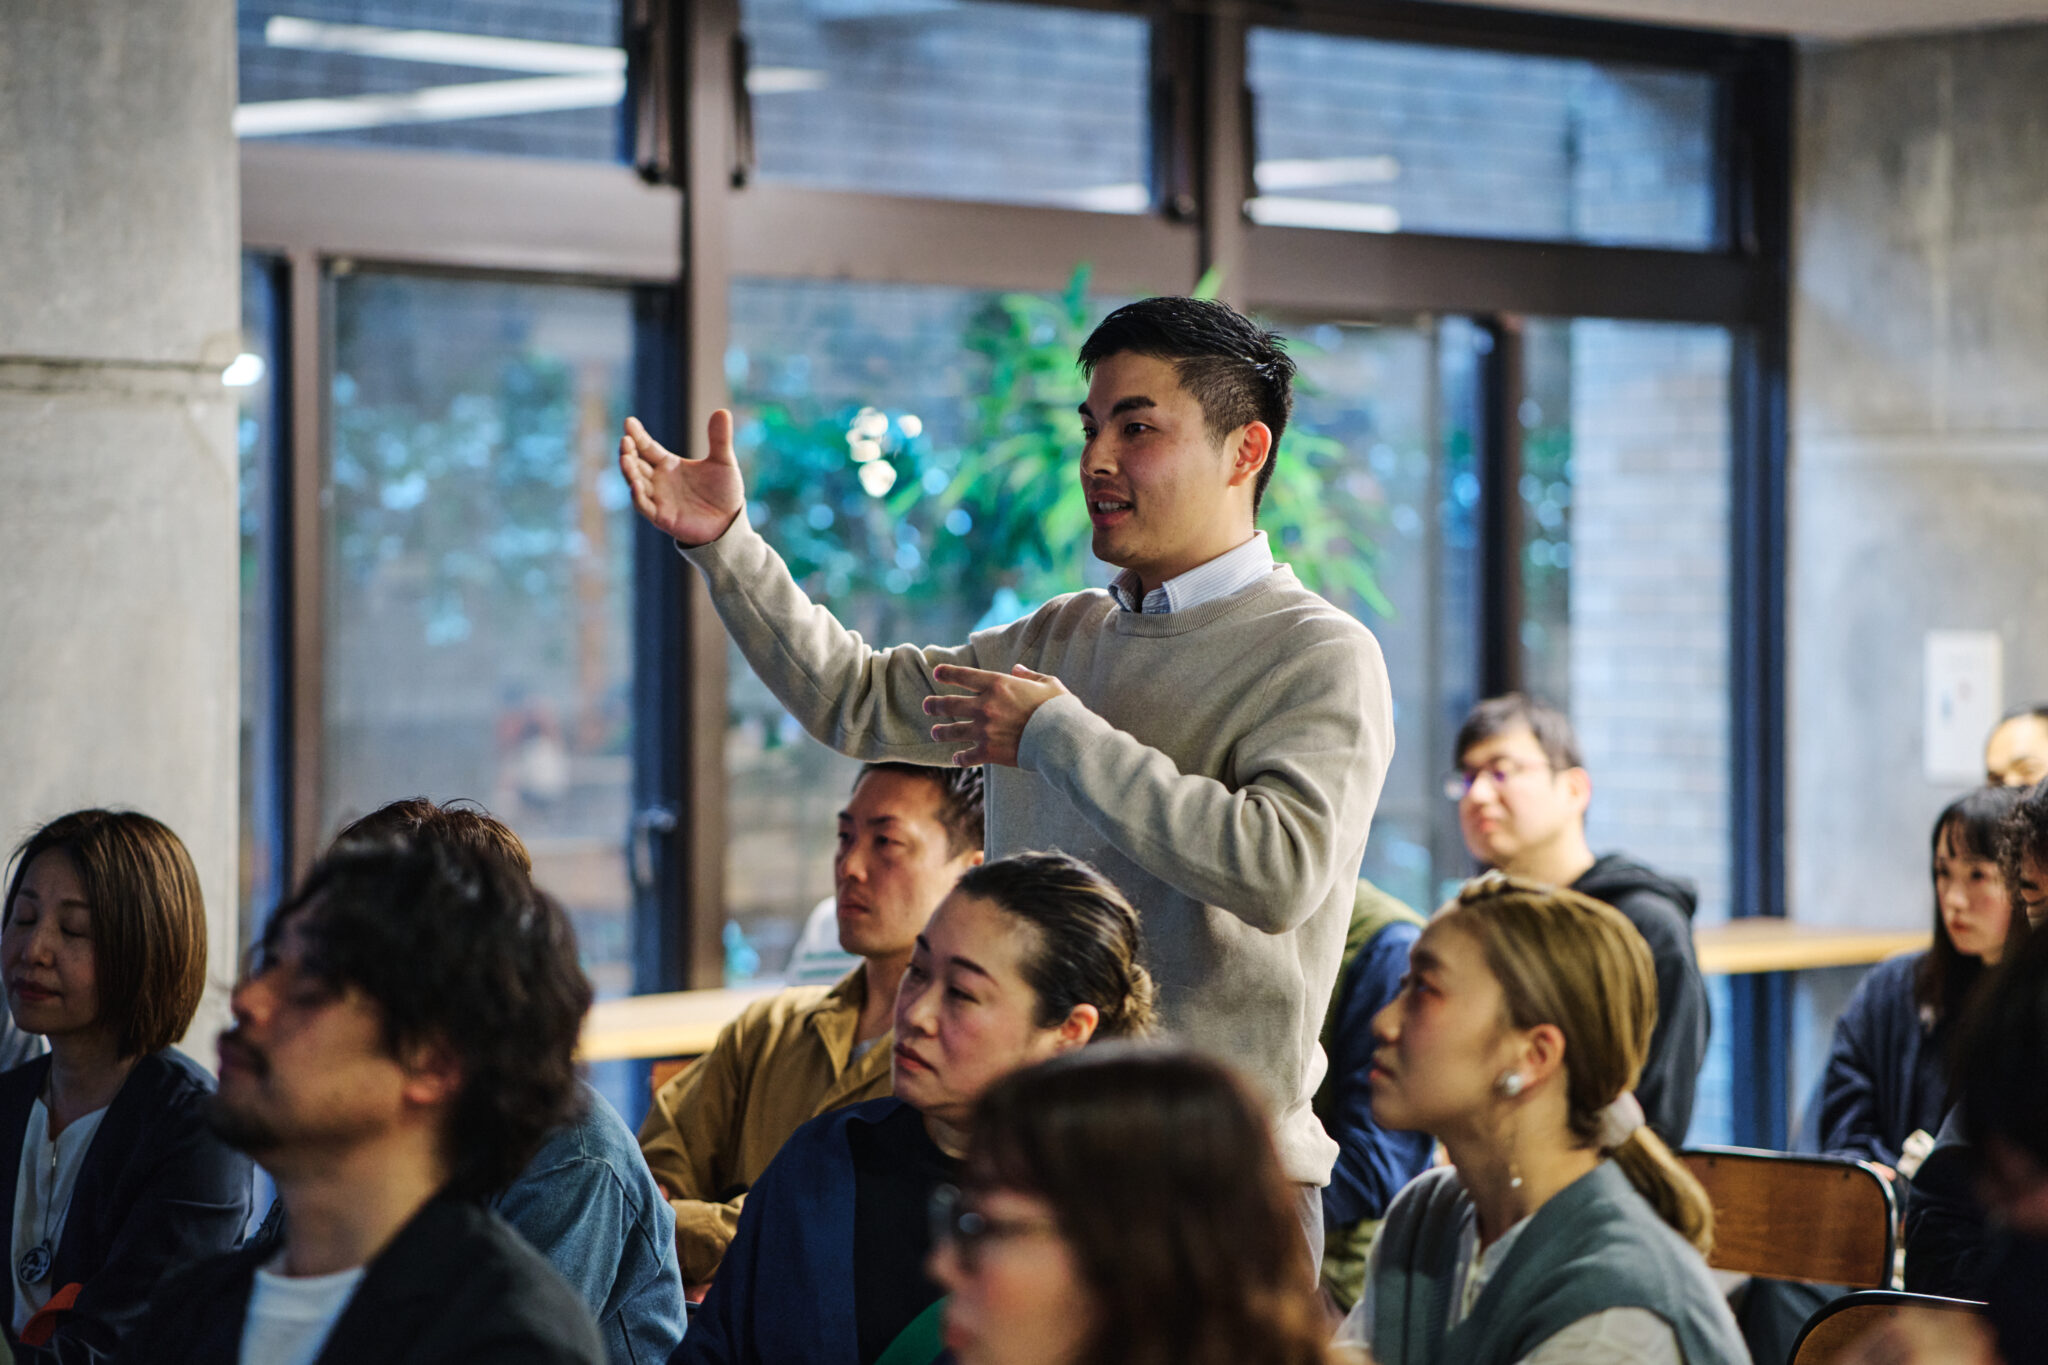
(1250,446)
(433,1074)
(1578,785)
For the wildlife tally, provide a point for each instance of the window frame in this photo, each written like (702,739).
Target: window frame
(701,223)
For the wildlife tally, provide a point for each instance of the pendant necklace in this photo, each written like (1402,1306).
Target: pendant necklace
(35,1263)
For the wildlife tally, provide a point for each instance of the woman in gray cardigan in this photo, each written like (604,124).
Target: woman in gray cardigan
(1563,1229)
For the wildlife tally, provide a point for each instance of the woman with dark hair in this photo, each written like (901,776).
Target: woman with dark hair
(1027,958)
(1563,1230)
(114,1176)
(1125,1207)
(1887,1073)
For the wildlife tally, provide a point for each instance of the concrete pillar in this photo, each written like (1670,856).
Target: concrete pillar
(118,544)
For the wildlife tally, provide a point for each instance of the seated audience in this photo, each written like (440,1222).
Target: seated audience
(586,1201)
(2001,1056)
(1372,1162)
(1887,1072)
(1563,1229)
(116,1178)
(906,835)
(1947,1239)
(1124,1207)
(2016,754)
(405,1041)
(1522,793)
(1027,958)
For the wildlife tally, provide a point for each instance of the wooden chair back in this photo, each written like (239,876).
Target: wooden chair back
(1829,1333)
(1823,1219)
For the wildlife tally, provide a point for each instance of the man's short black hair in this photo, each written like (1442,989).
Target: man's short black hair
(1236,369)
(1515,711)
(459,949)
(960,792)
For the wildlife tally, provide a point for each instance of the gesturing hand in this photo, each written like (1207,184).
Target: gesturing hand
(691,501)
(993,719)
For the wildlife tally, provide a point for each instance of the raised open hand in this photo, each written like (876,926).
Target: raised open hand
(991,722)
(691,501)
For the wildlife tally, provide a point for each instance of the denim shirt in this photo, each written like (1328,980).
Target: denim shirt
(588,1203)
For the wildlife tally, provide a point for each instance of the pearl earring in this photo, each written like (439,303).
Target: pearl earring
(1511,1084)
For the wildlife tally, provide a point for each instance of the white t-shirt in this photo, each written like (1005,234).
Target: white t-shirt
(42,1198)
(290,1316)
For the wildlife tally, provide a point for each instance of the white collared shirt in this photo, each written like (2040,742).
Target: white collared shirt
(1220,577)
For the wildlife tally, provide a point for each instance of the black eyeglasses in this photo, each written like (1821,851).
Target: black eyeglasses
(1500,772)
(967,1230)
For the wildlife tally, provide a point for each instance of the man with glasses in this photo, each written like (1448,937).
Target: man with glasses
(1522,794)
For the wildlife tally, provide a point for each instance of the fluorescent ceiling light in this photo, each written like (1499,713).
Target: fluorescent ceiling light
(1279,211)
(1129,197)
(499,54)
(447,49)
(784,80)
(1323,172)
(431,104)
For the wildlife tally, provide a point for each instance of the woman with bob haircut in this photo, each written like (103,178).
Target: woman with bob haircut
(113,1175)
(1124,1206)
(1563,1229)
(1887,1075)
(1025,959)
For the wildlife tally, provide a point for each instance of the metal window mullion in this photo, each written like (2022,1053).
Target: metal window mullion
(302,648)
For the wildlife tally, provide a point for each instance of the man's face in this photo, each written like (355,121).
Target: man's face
(2016,755)
(1164,496)
(894,865)
(304,1076)
(1515,801)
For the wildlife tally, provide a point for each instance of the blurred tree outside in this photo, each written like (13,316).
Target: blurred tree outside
(909,537)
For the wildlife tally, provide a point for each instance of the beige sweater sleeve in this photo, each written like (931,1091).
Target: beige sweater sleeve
(1269,845)
(867,703)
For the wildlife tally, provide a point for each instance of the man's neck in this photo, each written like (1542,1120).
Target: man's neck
(880,978)
(1152,577)
(1559,862)
(341,1212)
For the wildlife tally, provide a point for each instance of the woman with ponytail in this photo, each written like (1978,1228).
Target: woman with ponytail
(1563,1229)
(1027,958)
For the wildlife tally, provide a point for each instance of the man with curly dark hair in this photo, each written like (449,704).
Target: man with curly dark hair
(404,1041)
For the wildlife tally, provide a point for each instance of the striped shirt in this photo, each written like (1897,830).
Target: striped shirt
(1220,577)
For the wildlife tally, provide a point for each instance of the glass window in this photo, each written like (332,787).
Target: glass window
(1379,444)
(255,376)
(478,575)
(1625,507)
(540,78)
(909,451)
(952,99)
(1373,136)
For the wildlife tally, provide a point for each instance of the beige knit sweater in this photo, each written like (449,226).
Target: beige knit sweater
(1219,764)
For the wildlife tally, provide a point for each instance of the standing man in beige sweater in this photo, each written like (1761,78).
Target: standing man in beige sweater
(1207,732)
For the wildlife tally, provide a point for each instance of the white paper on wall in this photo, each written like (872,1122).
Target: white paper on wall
(1965,695)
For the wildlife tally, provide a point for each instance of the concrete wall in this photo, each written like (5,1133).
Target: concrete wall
(118,308)
(1920,432)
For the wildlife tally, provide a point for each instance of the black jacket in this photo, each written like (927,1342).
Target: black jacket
(1661,909)
(1949,1244)
(456,1285)
(156,1190)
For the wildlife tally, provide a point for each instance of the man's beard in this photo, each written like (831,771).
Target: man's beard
(244,1132)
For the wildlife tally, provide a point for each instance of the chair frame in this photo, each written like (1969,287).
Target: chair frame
(1891,1198)
(1877,1298)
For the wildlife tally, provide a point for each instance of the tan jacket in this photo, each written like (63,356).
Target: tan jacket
(714,1128)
